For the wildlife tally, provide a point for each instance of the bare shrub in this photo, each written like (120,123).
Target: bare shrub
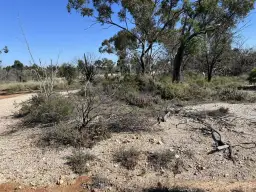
(174,189)
(127,158)
(129,122)
(222,111)
(78,162)
(99,182)
(159,160)
(139,100)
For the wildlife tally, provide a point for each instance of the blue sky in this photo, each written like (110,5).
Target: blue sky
(52,31)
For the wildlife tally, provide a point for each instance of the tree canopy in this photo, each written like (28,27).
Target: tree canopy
(149,21)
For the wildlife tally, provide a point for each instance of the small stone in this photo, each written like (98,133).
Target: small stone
(32,184)
(226,175)
(19,187)
(171,149)
(116,165)
(159,143)
(60,181)
(177,156)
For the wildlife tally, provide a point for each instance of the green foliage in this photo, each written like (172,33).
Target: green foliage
(87,68)
(127,158)
(68,72)
(78,162)
(18,65)
(40,109)
(252,76)
(232,94)
(68,134)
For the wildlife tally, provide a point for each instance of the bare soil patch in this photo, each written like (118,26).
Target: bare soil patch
(24,163)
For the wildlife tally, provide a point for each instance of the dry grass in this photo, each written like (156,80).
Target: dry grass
(29,86)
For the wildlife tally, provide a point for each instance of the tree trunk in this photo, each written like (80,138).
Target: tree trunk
(177,63)
(142,62)
(209,71)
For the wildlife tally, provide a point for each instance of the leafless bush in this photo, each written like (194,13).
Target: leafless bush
(173,189)
(127,158)
(129,122)
(161,160)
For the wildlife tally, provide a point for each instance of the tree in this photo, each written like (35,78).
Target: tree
(18,67)
(67,71)
(87,67)
(147,21)
(123,44)
(215,45)
(108,65)
(204,16)
(5,50)
(143,20)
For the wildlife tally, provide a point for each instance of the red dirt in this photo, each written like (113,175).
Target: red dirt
(76,187)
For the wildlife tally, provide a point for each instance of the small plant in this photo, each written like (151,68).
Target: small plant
(78,162)
(99,182)
(159,160)
(127,158)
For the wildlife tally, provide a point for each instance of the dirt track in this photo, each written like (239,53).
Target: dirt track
(24,163)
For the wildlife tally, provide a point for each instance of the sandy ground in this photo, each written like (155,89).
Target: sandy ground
(24,163)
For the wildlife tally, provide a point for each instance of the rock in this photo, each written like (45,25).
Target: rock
(19,187)
(177,156)
(226,175)
(152,141)
(159,143)
(116,165)
(60,181)
(32,184)
(171,149)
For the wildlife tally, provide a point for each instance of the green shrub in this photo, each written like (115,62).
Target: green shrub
(65,134)
(40,109)
(232,94)
(252,76)
(127,158)
(78,162)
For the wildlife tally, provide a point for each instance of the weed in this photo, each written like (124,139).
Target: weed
(78,162)
(127,158)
